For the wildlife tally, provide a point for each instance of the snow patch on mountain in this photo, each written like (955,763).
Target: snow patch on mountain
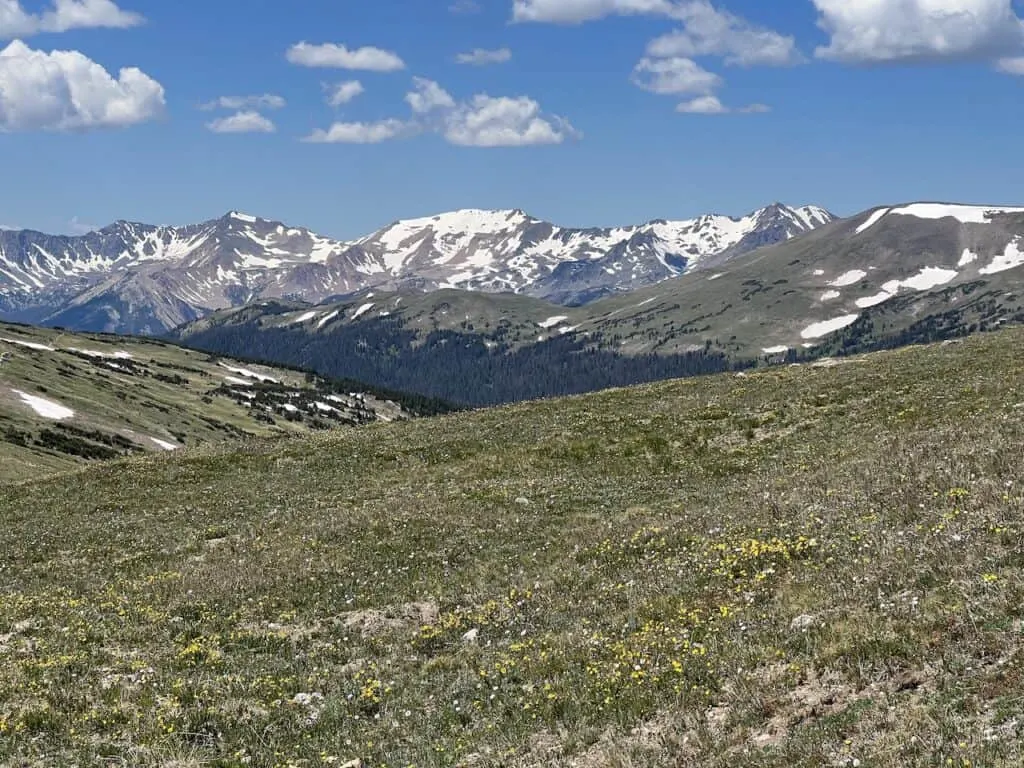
(849,278)
(928,278)
(925,280)
(250,374)
(45,408)
(873,219)
(363,309)
(1011,258)
(30,345)
(967,258)
(824,328)
(551,322)
(327,318)
(118,355)
(966,214)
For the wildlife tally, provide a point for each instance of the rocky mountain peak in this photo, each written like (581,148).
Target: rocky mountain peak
(177,273)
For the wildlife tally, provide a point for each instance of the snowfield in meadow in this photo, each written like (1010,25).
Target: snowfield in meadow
(48,409)
(824,328)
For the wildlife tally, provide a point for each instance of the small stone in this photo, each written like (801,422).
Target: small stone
(357,763)
(523,501)
(471,636)
(802,623)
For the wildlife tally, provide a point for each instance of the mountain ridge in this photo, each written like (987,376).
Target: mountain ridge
(141,278)
(887,277)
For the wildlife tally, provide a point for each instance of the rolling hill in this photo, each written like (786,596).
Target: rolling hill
(67,398)
(803,566)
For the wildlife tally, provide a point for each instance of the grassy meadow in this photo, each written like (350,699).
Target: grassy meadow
(802,566)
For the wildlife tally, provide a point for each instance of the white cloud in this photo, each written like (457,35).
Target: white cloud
(479,57)
(711,105)
(871,31)
(483,121)
(67,91)
(339,57)
(674,75)
(64,15)
(1013,66)
(505,122)
(711,32)
(577,11)
(703,105)
(246,121)
(361,133)
(263,101)
(343,93)
(669,66)
(428,96)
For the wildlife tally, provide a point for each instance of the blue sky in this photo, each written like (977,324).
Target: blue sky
(577,119)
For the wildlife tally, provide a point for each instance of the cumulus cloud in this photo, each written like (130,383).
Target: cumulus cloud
(333,55)
(479,57)
(482,121)
(246,121)
(361,133)
(505,122)
(64,15)
(708,31)
(874,31)
(711,105)
(703,105)
(343,93)
(263,101)
(486,121)
(67,91)
(669,66)
(577,11)
(428,96)
(674,75)
(1013,66)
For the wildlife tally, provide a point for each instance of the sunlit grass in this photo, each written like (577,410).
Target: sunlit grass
(803,567)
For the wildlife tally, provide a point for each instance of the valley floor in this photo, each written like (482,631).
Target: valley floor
(807,566)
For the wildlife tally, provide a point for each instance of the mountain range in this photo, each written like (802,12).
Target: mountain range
(139,278)
(888,276)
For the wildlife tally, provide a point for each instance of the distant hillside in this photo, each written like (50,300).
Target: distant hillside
(800,567)
(69,398)
(888,277)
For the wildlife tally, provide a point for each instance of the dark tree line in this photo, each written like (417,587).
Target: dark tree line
(454,366)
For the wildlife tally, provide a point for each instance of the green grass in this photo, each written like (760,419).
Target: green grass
(162,391)
(800,567)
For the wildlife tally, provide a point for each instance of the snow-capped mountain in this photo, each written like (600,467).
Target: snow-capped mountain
(512,251)
(139,278)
